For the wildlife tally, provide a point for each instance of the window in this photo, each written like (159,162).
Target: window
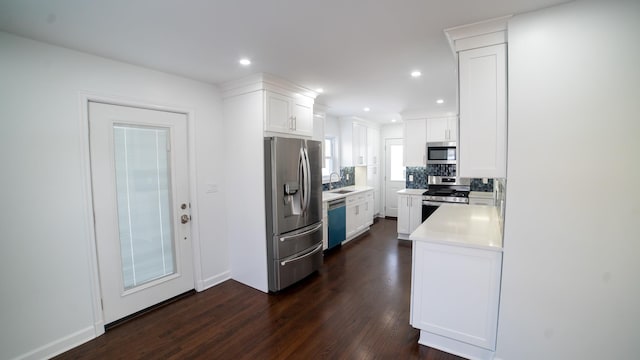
(329,157)
(397,171)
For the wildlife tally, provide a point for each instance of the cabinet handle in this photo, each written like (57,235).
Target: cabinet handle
(295,122)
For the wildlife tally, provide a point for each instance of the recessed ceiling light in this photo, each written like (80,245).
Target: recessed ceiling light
(416,73)
(245,62)
(366,109)
(440,101)
(393,120)
(320,90)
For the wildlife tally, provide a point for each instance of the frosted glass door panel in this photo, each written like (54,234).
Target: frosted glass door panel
(143,203)
(397,170)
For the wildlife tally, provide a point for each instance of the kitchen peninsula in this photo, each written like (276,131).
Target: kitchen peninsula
(455,285)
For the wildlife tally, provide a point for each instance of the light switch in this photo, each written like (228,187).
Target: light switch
(410,177)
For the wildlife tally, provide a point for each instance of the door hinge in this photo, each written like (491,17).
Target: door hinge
(101,304)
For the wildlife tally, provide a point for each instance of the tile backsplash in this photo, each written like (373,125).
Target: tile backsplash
(420,174)
(478,185)
(441,170)
(351,171)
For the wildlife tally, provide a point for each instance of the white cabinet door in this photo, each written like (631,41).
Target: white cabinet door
(285,114)
(373,180)
(278,113)
(359,144)
(404,214)
(415,139)
(368,209)
(302,117)
(452,126)
(352,220)
(373,146)
(483,112)
(442,129)
(455,292)
(415,216)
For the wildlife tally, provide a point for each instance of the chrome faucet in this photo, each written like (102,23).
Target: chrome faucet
(330,175)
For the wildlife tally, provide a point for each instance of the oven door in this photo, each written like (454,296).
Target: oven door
(428,208)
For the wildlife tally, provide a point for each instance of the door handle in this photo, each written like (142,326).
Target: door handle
(185,218)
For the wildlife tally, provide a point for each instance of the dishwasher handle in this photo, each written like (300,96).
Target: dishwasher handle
(336,204)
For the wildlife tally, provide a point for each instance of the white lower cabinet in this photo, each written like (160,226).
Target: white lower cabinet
(409,214)
(359,213)
(454,298)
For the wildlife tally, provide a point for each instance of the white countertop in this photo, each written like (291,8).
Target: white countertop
(411,191)
(330,195)
(462,225)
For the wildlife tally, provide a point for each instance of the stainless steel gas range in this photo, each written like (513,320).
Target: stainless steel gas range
(444,190)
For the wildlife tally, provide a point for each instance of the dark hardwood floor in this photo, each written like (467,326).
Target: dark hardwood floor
(356,307)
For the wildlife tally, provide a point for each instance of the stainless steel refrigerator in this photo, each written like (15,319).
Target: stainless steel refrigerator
(293,190)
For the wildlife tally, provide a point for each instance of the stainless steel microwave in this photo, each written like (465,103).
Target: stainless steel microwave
(442,153)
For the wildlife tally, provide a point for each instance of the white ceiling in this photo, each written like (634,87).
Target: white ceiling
(360,51)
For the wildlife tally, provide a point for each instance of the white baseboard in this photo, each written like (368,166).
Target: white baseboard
(213,281)
(61,345)
(454,347)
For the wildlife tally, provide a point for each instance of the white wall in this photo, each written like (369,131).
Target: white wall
(46,303)
(571,275)
(391,131)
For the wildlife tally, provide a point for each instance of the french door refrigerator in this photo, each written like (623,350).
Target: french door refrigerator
(293,191)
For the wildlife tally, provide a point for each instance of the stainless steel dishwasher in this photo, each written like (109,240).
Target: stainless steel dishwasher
(337,226)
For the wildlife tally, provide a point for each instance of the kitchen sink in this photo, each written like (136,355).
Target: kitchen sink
(342,191)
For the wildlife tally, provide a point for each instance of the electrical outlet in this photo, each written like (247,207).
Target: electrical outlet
(485,180)
(347,177)
(410,177)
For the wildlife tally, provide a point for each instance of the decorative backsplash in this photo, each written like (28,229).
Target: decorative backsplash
(441,170)
(351,170)
(419,177)
(478,185)
(420,174)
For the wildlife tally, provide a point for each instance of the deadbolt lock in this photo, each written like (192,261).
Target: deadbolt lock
(184,219)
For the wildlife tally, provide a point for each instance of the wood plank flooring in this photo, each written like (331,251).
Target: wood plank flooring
(355,307)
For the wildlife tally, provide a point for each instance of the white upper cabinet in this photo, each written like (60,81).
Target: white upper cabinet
(415,139)
(359,144)
(483,112)
(442,129)
(481,50)
(289,115)
(285,109)
(373,146)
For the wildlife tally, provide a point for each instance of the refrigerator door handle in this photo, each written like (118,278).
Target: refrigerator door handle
(307,178)
(285,238)
(302,172)
(318,248)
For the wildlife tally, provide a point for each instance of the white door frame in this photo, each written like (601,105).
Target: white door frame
(92,255)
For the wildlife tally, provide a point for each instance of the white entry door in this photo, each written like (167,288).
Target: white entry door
(394,179)
(139,174)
